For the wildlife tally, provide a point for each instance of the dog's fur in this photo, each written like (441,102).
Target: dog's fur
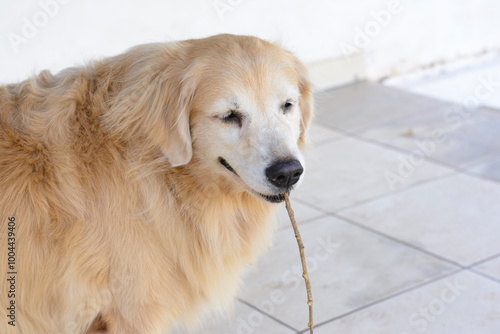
(125,219)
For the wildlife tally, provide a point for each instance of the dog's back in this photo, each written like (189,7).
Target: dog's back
(46,138)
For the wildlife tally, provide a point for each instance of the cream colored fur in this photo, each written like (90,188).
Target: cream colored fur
(126,221)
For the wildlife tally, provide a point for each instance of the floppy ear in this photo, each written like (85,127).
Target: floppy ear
(155,101)
(171,99)
(306,103)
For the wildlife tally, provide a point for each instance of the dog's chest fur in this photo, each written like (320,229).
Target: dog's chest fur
(189,245)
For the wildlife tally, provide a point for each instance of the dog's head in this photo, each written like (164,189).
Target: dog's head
(239,104)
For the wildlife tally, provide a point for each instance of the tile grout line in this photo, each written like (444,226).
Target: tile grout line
(414,185)
(470,267)
(460,268)
(267,315)
(405,243)
(404,291)
(304,222)
(453,169)
(489,258)
(356,135)
(439,104)
(459,169)
(480,176)
(387,146)
(473,268)
(398,191)
(491,278)
(368,140)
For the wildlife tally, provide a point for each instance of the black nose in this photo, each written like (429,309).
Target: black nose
(284,174)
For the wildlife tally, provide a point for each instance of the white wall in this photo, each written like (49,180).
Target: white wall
(420,33)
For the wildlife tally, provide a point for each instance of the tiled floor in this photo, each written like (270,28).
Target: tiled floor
(400,216)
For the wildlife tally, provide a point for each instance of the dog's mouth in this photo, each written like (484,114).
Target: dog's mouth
(270,198)
(273,198)
(227,165)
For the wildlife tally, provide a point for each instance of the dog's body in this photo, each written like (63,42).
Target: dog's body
(137,199)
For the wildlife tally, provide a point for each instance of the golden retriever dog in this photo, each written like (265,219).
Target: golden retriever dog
(137,189)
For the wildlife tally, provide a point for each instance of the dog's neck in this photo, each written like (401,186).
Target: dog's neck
(224,213)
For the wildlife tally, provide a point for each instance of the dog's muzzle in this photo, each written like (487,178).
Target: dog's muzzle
(283,175)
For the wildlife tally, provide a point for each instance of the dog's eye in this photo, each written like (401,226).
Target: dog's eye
(232,117)
(287,106)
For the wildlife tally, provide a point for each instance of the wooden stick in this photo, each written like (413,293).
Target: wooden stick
(303,260)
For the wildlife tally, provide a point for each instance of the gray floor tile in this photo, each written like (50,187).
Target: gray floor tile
(243,319)
(464,303)
(349,267)
(320,134)
(365,105)
(348,171)
(444,135)
(482,127)
(456,217)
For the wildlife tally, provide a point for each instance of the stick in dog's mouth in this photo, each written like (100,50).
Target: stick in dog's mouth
(302,259)
(277,199)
